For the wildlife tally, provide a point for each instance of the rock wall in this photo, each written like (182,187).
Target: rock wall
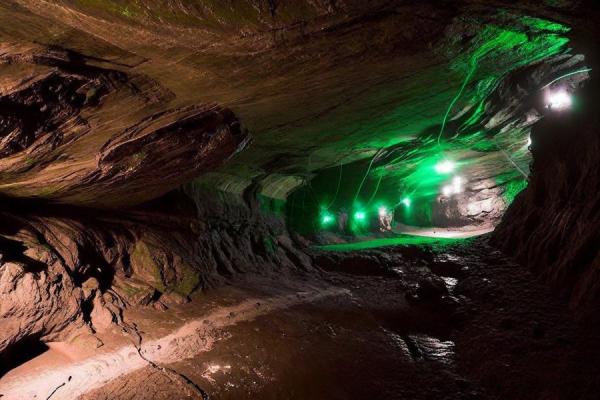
(66,269)
(79,133)
(553,226)
(244,232)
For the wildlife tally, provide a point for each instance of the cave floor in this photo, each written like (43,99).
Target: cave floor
(496,334)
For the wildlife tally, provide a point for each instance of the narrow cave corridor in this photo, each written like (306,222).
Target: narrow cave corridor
(326,199)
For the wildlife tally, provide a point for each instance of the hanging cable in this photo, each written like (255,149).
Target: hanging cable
(509,158)
(565,76)
(337,190)
(376,190)
(364,178)
(455,99)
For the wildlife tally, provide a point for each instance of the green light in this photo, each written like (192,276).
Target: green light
(445,167)
(359,215)
(512,189)
(402,240)
(406,201)
(326,219)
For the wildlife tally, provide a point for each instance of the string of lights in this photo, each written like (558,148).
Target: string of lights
(555,101)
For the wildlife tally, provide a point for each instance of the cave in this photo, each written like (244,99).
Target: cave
(292,199)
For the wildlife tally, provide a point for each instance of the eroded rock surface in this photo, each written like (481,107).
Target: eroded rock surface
(82,134)
(553,226)
(68,268)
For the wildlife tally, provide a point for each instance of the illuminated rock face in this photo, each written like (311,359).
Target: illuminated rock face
(481,208)
(66,268)
(77,133)
(552,227)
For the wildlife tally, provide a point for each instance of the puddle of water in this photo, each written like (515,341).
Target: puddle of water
(447,258)
(450,282)
(424,348)
(433,349)
(400,343)
(213,369)
(399,270)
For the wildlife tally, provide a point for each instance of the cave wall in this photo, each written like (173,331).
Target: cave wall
(553,227)
(68,269)
(59,139)
(244,232)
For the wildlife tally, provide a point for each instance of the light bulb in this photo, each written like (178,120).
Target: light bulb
(447,190)
(326,219)
(558,100)
(457,184)
(445,167)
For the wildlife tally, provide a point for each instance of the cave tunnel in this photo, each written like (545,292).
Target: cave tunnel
(292,199)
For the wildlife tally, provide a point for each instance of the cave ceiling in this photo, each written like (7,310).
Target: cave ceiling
(116,102)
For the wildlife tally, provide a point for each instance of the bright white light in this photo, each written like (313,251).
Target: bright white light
(558,100)
(455,187)
(382,211)
(457,184)
(528,141)
(444,167)
(406,201)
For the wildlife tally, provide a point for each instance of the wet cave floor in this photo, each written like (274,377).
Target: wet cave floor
(454,321)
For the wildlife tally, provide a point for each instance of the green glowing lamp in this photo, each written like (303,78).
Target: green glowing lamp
(326,219)
(444,167)
(360,215)
(406,201)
